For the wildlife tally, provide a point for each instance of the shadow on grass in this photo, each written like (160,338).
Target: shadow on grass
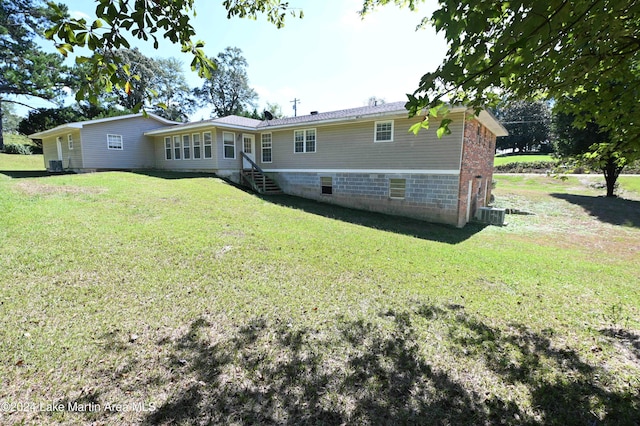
(19,174)
(616,211)
(375,372)
(162,174)
(396,224)
(626,339)
(383,222)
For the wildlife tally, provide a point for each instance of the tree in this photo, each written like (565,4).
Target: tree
(374,100)
(46,118)
(275,109)
(139,72)
(530,50)
(591,145)
(25,69)
(9,118)
(176,100)
(147,20)
(227,90)
(528,123)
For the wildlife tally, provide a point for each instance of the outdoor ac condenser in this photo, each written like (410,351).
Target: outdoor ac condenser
(491,215)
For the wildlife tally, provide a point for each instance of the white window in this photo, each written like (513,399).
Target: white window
(397,188)
(207,144)
(70,141)
(114,142)
(176,147)
(384,131)
(229,145)
(266,148)
(304,140)
(167,148)
(197,153)
(186,146)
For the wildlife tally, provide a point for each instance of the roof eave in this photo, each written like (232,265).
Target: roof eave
(491,122)
(211,124)
(64,128)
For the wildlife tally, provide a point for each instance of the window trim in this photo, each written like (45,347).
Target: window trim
(205,144)
(70,141)
(186,147)
(270,147)
(224,145)
(375,131)
(169,149)
(193,140)
(109,142)
(304,141)
(177,147)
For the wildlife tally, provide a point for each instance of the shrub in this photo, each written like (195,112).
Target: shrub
(15,148)
(526,167)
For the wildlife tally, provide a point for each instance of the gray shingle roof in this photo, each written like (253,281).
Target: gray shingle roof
(236,120)
(337,115)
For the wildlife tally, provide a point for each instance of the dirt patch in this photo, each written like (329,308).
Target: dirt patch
(34,188)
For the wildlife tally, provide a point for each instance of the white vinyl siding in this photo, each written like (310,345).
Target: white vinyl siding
(197,153)
(70,141)
(266,147)
(383,131)
(167,148)
(115,142)
(229,145)
(207,144)
(350,146)
(304,140)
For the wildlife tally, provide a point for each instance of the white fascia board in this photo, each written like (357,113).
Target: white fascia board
(170,130)
(491,122)
(189,127)
(81,124)
(63,128)
(372,171)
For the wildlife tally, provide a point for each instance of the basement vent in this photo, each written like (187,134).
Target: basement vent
(326,184)
(397,188)
(491,215)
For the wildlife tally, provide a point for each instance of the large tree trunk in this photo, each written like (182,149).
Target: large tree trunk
(1,128)
(611,172)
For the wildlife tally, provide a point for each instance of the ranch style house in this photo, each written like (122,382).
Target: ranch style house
(364,158)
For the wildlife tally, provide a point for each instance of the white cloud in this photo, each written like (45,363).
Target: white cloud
(77,14)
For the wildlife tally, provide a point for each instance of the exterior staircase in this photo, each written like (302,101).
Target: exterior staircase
(257,180)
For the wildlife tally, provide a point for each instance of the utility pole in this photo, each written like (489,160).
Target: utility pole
(295,102)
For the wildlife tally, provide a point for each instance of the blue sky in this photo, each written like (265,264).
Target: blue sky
(330,60)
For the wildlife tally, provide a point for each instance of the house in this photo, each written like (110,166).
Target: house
(101,144)
(361,157)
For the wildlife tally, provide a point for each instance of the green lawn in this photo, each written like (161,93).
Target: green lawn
(21,162)
(506,159)
(208,304)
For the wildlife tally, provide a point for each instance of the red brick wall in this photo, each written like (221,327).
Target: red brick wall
(478,149)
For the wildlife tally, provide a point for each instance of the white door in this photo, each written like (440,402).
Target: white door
(59,146)
(249,148)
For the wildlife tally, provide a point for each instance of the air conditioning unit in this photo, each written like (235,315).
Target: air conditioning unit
(491,215)
(55,165)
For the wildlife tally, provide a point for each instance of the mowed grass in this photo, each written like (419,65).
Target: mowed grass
(21,162)
(177,299)
(500,160)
